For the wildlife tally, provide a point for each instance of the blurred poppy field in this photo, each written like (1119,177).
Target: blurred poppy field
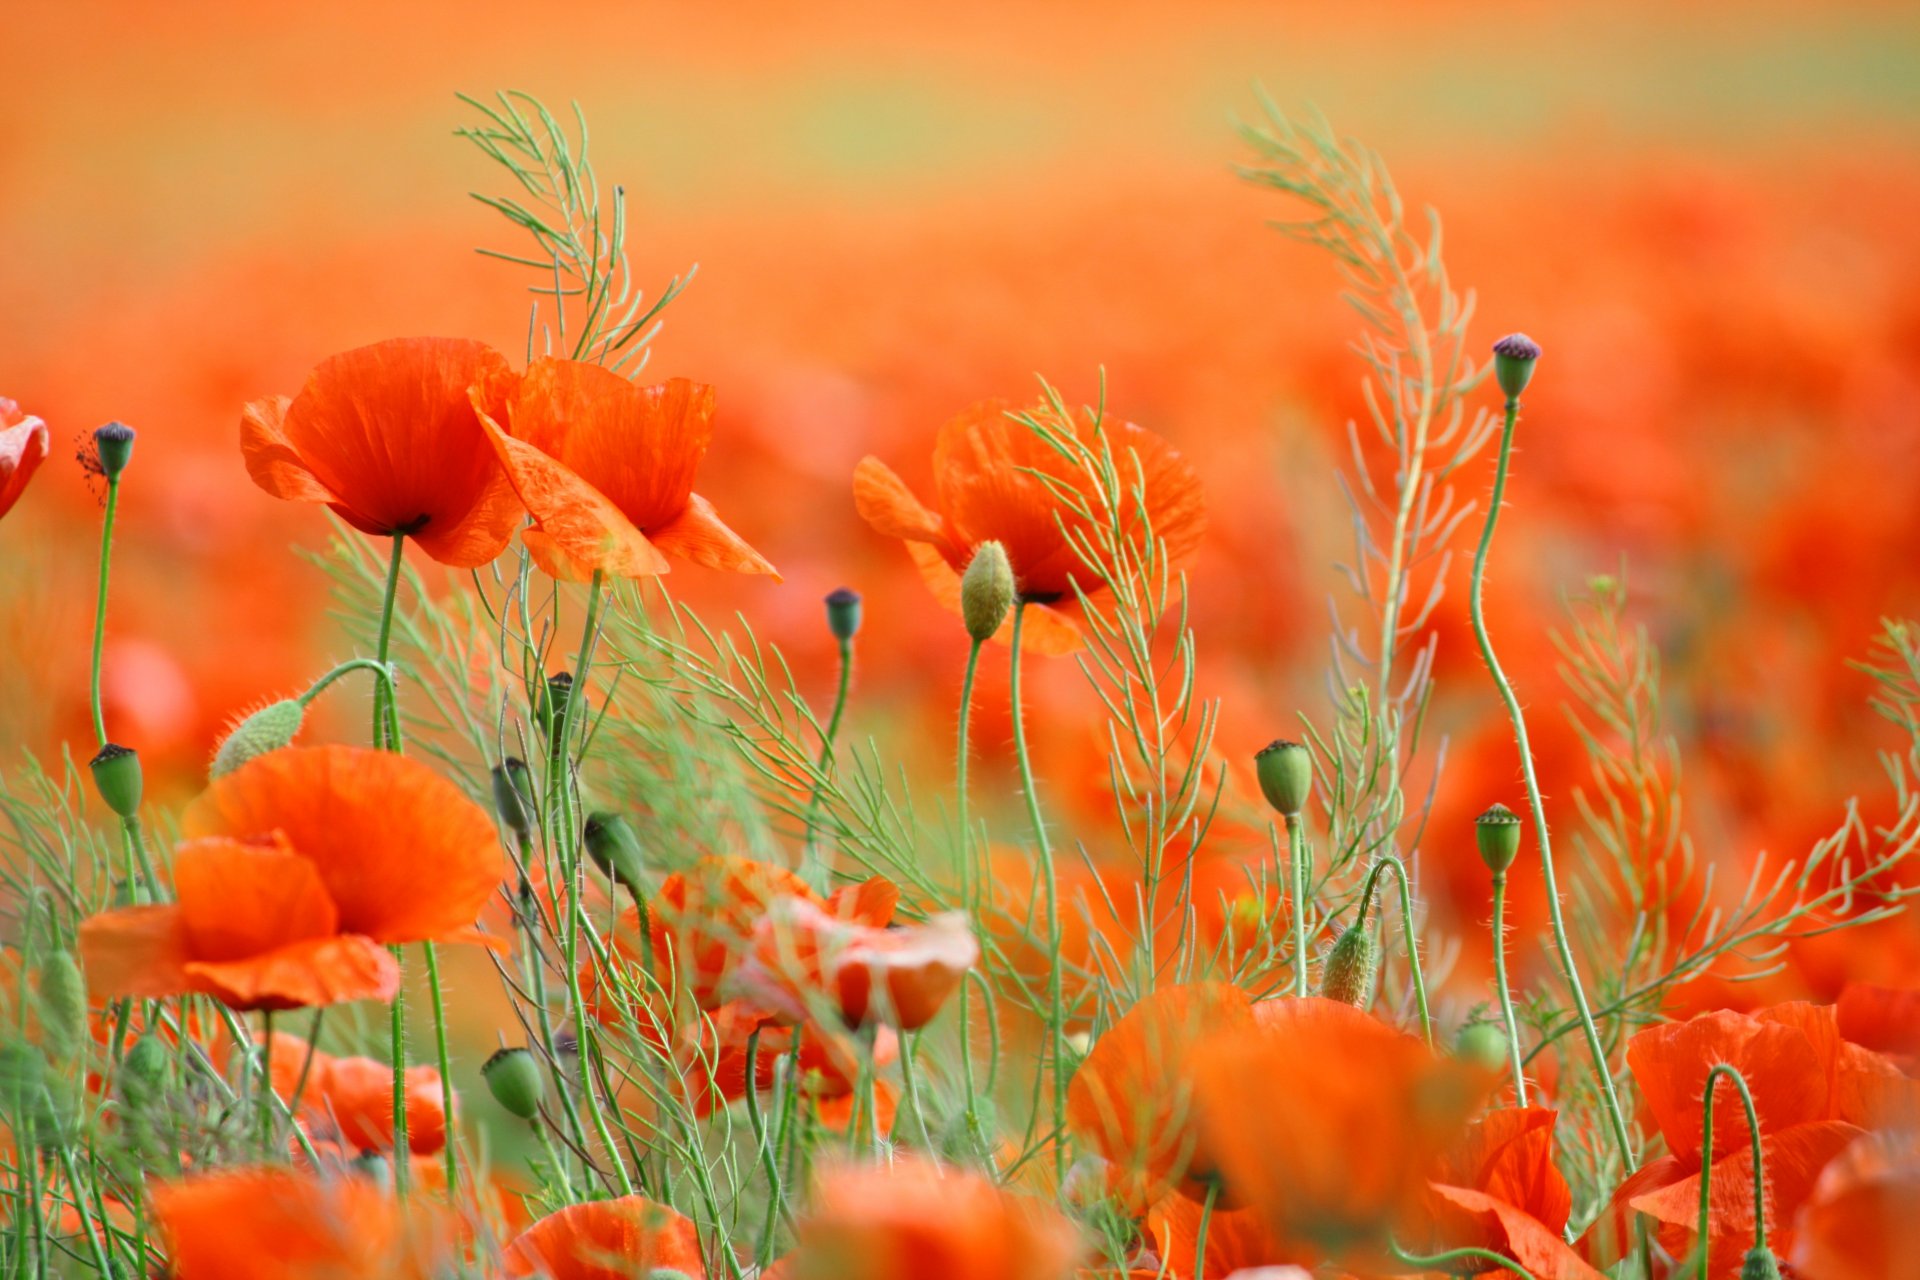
(956,705)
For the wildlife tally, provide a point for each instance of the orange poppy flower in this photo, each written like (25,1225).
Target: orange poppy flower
(1862,1221)
(606,470)
(246,1223)
(388,436)
(23,447)
(301,863)
(1238,1241)
(606,1240)
(1327,1121)
(913,1219)
(1499,1189)
(1884,1019)
(985,490)
(717,1056)
(349,1100)
(900,976)
(1132,1098)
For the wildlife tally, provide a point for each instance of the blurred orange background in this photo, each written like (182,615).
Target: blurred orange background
(1706,214)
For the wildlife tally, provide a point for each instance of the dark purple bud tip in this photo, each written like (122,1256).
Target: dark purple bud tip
(1517,346)
(113,446)
(1513,361)
(843,613)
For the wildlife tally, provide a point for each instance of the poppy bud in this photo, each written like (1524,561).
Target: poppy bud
(514,1079)
(513,795)
(843,613)
(63,1004)
(1760,1265)
(113,446)
(26,1097)
(1483,1044)
(1498,833)
(1513,360)
(372,1166)
(986,591)
(1347,973)
(116,775)
(143,1072)
(268,729)
(554,696)
(615,849)
(1285,770)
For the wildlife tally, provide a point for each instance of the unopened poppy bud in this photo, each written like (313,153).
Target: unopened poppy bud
(113,446)
(1498,833)
(1513,359)
(514,1079)
(1482,1044)
(63,1004)
(268,729)
(986,591)
(116,775)
(843,613)
(1760,1265)
(143,1071)
(1285,770)
(513,795)
(1347,973)
(615,849)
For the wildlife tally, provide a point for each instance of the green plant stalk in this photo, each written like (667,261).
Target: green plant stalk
(826,747)
(1056,1004)
(763,1144)
(86,1215)
(446,1074)
(912,1088)
(1442,1261)
(385,702)
(1391,861)
(1506,992)
(1297,865)
(385,719)
(100,607)
(960,779)
(1609,1097)
(1200,1236)
(1706,1160)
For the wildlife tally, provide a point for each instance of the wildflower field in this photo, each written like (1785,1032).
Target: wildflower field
(1130,642)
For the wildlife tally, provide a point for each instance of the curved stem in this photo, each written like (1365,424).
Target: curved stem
(386,726)
(1706,1160)
(826,743)
(1440,1261)
(100,607)
(960,781)
(1505,992)
(1391,861)
(383,678)
(763,1143)
(1609,1097)
(1200,1237)
(1297,867)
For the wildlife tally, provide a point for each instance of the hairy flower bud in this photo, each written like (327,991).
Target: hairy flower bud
(63,1005)
(268,729)
(514,1079)
(1285,770)
(513,796)
(615,849)
(1513,359)
(113,446)
(1346,974)
(986,591)
(843,613)
(116,775)
(1497,831)
(143,1071)
(1483,1044)
(1760,1265)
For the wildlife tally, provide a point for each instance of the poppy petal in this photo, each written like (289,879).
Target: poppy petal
(23,447)
(1471,1218)
(240,900)
(606,1240)
(136,951)
(1046,630)
(884,501)
(698,534)
(272,461)
(318,971)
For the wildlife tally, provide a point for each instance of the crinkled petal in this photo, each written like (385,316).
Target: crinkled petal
(699,535)
(136,951)
(606,1240)
(241,900)
(319,971)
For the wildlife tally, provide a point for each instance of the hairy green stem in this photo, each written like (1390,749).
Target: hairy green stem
(1297,867)
(100,606)
(1706,1160)
(386,736)
(960,780)
(448,1152)
(1392,862)
(1505,991)
(1442,1261)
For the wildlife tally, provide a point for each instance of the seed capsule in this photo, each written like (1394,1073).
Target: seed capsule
(268,729)
(514,1079)
(1285,770)
(986,591)
(1347,973)
(143,1072)
(554,696)
(843,613)
(615,849)
(1483,1044)
(513,796)
(1497,831)
(113,446)
(1513,359)
(1760,1265)
(116,775)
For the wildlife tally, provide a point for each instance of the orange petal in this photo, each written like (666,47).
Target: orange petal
(884,501)
(272,461)
(699,535)
(241,900)
(1886,1019)
(606,1240)
(320,971)
(1862,1221)
(1046,630)
(1475,1219)
(23,447)
(358,1093)
(136,951)
(1508,1154)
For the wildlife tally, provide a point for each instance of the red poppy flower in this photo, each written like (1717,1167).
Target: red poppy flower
(913,1219)
(388,436)
(349,1100)
(1499,1189)
(606,470)
(802,952)
(985,490)
(23,447)
(1238,1241)
(606,1240)
(243,1224)
(715,1056)
(1862,1221)
(1884,1019)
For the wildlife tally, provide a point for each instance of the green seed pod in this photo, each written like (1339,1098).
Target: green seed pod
(268,729)
(986,591)
(63,1005)
(113,446)
(1498,833)
(554,697)
(1347,973)
(1513,359)
(514,1079)
(372,1166)
(513,796)
(1760,1265)
(615,849)
(116,775)
(1483,1044)
(843,613)
(143,1072)
(1285,770)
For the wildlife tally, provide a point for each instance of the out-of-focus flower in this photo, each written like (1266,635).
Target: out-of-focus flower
(1884,1019)
(606,470)
(23,447)
(1498,1189)
(985,490)
(916,1220)
(350,1099)
(606,1240)
(801,953)
(388,436)
(1862,1221)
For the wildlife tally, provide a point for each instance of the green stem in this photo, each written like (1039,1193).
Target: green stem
(960,781)
(1443,1261)
(100,606)
(1056,1003)
(1706,1160)
(763,1143)
(1392,862)
(86,1215)
(826,754)
(1200,1237)
(1609,1097)
(448,1152)
(1506,992)
(385,703)
(912,1088)
(1297,865)
(383,679)
(386,735)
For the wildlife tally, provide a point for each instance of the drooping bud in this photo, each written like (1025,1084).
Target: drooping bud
(116,775)
(143,1071)
(1498,833)
(514,1079)
(513,795)
(268,729)
(1513,359)
(1285,770)
(1483,1044)
(986,591)
(1760,1265)
(843,613)
(1346,974)
(113,446)
(63,1005)
(615,849)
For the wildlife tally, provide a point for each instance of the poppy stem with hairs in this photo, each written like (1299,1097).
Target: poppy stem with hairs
(1442,1261)
(386,714)
(960,780)
(1706,1160)
(826,743)
(386,736)
(1609,1096)
(1392,862)
(763,1143)
(1297,866)
(1056,1004)
(1504,991)
(100,607)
